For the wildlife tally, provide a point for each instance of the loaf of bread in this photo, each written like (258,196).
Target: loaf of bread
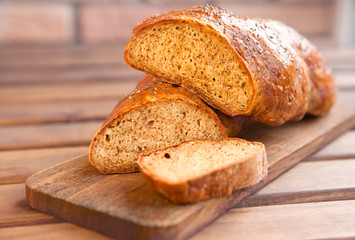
(241,66)
(205,168)
(153,116)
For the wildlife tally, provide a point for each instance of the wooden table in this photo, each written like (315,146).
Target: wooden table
(53,99)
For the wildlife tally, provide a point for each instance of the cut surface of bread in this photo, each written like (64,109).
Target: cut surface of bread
(238,65)
(202,61)
(152,117)
(204,168)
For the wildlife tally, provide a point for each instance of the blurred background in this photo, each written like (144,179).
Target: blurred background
(82,22)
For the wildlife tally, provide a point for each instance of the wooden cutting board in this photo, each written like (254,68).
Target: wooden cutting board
(125,207)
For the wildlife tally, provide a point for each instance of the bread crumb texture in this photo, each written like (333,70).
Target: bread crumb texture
(189,54)
(149,127)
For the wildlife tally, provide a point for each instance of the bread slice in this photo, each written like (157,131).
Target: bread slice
(204,168)
(241,66)
(153,116)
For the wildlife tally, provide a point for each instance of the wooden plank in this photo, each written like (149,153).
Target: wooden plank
(345,80)
(65,93)
(323,220)
(128,208)
(86,110)
(16,166)
(48,135)
(68,74)
(50,231)
(309,182)
(343,147)
(15,211)
(42,56)
(340,58)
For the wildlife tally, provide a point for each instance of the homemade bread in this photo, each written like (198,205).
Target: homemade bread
(204,168)
(153,116)
(241,66)
(231,125)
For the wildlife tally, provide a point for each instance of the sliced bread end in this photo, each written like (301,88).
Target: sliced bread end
(206,168)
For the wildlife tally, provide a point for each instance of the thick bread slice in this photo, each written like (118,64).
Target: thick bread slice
(241,66)
(153,116)
(205,168)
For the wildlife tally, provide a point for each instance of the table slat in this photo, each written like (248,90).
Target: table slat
(65,93)
(345,80)
(296,221)
(67,75)
(56,112)
(60,56)
(309,182)
(339,58)
(48,135)
(16,166)
(50,231)
(342,147)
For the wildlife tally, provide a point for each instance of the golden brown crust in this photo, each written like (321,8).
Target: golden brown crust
(150,90)
(323,89)
(218,183)
(290,77)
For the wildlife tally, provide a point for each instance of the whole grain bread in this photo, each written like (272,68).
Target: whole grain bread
(231,125)
(153,116)
(205,168)
(241,66)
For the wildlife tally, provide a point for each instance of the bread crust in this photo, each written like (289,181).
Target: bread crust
(218,183)
(150,90)
(289,76)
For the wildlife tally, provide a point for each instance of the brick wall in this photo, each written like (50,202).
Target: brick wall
(34,22)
